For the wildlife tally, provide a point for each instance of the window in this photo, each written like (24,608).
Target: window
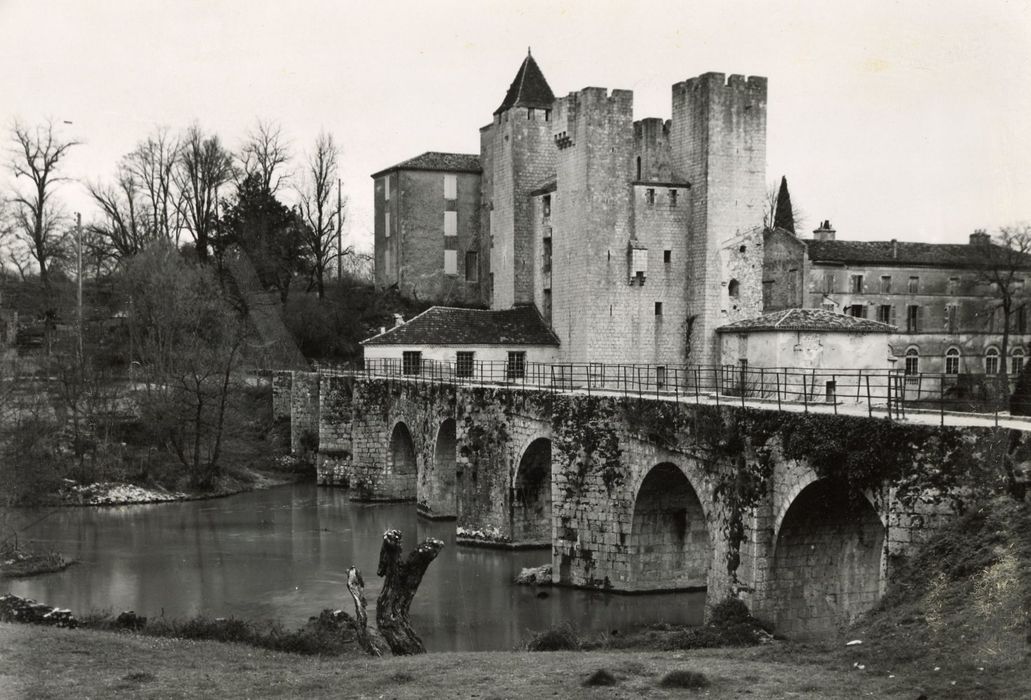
(914,285)
(546,253)
(1020,320)
(546,204)
(516,368)
(885,284)
(386,259)
(913,318)
(885,314)
(464,363)
(952,361)
(450,187)
(386,225)
(950,318)
(667,256)
(649,195)
(386,188)
(991,361)
(547,305)
(472,266)
(733,288)
(828,282)
(857,310)
(490,223)
(658,308)
(411,362)
(1016,361)
(912,361)
(673,198)
(638,168)
(660,377)
(450,262)
(451,223)
(953,286)
(856,284)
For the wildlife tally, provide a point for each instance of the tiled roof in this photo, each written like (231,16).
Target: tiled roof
(807,320)
(435,160)
(529,89)
(902,253)
(445,325)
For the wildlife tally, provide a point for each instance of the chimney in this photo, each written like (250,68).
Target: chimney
(825,232)
(894,249)
(382,330)
(398,320)
(979,237)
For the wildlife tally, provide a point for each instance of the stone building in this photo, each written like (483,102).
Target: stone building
(634,240)
(935,294)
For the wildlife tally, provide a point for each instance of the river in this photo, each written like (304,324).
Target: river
(283,554)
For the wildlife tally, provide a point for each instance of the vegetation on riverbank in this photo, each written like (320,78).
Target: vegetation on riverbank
(20,560)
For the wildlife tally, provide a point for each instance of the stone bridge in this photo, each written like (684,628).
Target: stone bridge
(801,516)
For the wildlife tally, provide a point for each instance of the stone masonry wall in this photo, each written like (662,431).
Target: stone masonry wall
(333,467)
(304,412)
(282,399)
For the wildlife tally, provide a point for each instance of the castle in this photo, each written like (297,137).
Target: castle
(632,240)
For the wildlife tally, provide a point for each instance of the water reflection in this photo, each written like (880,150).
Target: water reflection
(283,554)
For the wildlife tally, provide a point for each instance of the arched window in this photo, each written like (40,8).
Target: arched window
(912,361)
(733,289)
(952,361)
(991,360)
(1016,361)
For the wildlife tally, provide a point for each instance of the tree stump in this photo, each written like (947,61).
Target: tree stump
(356,587)
(401,580)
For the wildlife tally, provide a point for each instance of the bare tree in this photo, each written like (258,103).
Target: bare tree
(203,166)
(778,208)
(265,154)
(1004,265)
(319,211)
(125,227)
(152,165)
(38,222)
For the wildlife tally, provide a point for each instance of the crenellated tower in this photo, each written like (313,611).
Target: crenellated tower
(718,144)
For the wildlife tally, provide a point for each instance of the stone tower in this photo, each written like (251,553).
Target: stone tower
(516,155)
(718,144)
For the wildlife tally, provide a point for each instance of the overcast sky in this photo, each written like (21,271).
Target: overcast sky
(904,120)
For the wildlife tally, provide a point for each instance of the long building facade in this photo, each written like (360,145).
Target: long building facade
(634,240)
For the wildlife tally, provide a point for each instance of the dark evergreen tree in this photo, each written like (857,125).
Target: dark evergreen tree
(784,217)
(267,231)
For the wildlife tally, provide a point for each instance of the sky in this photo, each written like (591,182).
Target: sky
(905,120)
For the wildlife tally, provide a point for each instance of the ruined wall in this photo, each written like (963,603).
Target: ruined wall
(333,466)
(304,412)
(282,396)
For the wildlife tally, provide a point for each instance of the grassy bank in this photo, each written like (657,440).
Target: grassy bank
(41,662)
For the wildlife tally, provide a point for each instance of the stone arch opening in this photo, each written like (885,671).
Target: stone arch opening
(827,561)
(437,485)
(669,538)
(531,495)
(402,451)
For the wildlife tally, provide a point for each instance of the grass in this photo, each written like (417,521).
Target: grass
(17,561)
(43,663)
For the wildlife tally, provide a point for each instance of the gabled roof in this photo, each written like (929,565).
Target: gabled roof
(528,89)
(905,253)
(445,325)
(807,320)
(435,160)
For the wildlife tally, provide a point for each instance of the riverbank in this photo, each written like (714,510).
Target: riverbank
(42,662)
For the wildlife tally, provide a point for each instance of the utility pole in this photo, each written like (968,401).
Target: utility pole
(340,237)
(78,292)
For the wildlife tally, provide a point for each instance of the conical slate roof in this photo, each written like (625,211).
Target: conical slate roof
(529,89)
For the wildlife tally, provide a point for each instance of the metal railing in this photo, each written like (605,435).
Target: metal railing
(887,391)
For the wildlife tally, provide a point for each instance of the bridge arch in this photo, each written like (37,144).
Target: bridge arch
(402,450)
(531,495)
(827,560)
(437,496)
(670,547)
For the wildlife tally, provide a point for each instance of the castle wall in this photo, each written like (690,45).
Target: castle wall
(652,151)
(718,143)
(785,268)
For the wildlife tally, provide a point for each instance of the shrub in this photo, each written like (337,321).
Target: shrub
(563,638)
(600,677)
(684,679)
